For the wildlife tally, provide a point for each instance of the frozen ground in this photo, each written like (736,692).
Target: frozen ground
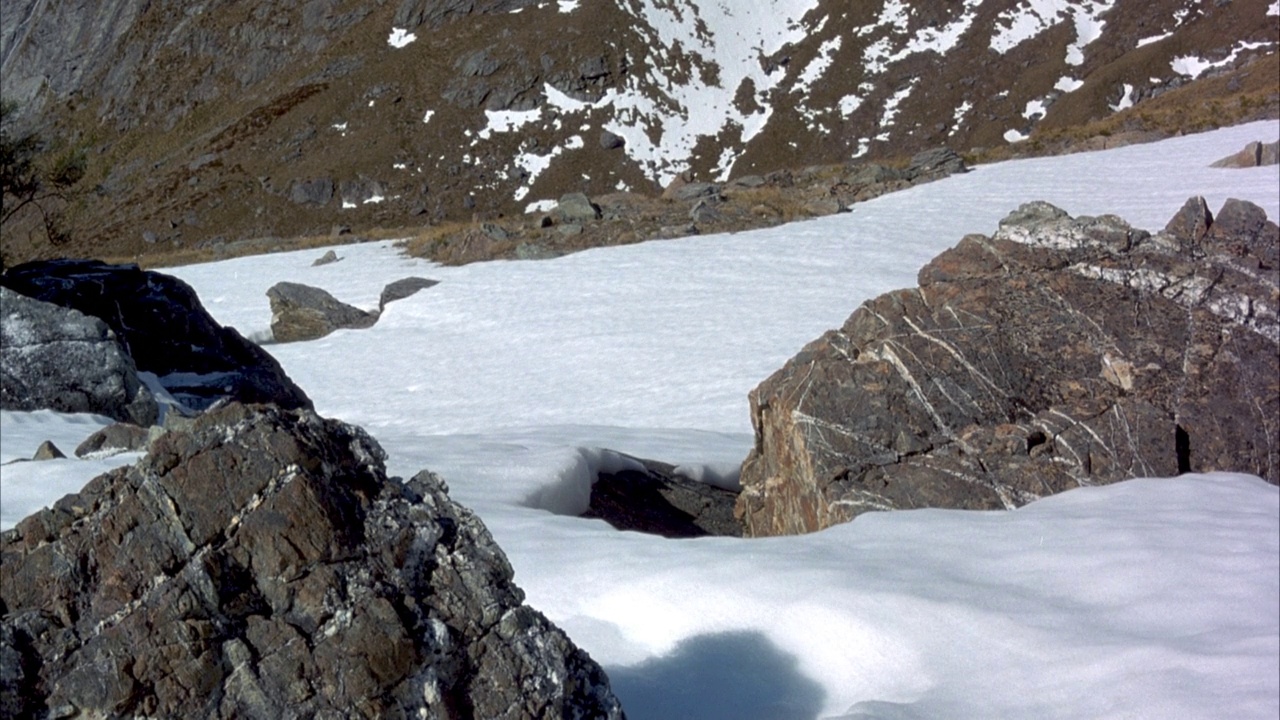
(1154,598)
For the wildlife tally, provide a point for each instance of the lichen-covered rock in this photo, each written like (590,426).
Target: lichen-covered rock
(261,565)
(301,312)
(56,358)
(161,324)
(1060,352)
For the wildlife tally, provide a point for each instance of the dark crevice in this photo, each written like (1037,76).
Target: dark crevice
(1182,446)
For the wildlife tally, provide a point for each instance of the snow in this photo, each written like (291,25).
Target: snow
(1273,9)
(1068,84)
(1153,39)
(1014,136)
(517,380)
(1193,67)
(1029,18)
(400,37)
(1126,99)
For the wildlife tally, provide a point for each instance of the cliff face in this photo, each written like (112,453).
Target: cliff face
(1057,353)
(213,120)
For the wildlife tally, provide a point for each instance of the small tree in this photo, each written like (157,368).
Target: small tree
(32,179)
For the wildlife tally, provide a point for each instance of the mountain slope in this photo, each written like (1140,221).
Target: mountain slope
(215,121)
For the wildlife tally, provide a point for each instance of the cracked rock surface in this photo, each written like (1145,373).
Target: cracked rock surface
(261,565)
(1059,352)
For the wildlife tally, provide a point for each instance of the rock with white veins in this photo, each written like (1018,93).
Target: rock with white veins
(1059,352)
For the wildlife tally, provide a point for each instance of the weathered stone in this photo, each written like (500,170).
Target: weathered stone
(1254,154)
(261,564)
(301,312)
(692,191)
(577,208)
(318,191)
(114,439)
(654,498)
(48,451)
(935,163)
(1060,352)
(403,288)
(57,358)
(161,324)
(328,258)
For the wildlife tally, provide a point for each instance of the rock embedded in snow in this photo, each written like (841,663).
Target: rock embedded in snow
(403,288)
(161,324)
(1059,352)
(57,358)
(301,312)
(655,498)
(262,564)
(1255,154)
(114,439)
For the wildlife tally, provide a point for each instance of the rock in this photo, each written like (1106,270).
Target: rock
(48,451)
(114,439)
(747,181)
(1254,154)
(161,324)
(301,312)
(262,564)
(705,210)
(1060,352)
(317,191)
(692,191)
(654,498)
(577,208)
(610,141)
(328,258)
(403,288)
(56,358)
(936,163)
(826,205)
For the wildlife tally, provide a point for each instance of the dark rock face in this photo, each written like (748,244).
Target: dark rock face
(1059,352)
(261,565)
(61,359)
(659,501)
(161,324)
(301,312)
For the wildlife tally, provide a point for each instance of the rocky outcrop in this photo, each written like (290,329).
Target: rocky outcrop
(301,312)
(60,359)
(1255,154)
(262,565)
(655,498)
(161,324)
(1060,352)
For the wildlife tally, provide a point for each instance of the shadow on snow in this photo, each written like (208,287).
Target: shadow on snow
(725,676)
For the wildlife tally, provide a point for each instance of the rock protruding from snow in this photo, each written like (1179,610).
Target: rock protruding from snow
(161,324)
(1060,352)
(261,564)
(56,358)
(403,288)
(1255,154)
(656,498)
(301,312)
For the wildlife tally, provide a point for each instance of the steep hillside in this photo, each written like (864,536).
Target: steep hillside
(212,121)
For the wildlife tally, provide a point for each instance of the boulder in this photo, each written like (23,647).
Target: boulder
(403,288)
(317,191)
(328,258)
(611,141)
(161,324)
(1255,154)
(261,564)
(57,358)
(48,451)
(301,312)
(577,208)
(936,163)
(1060,352)
(655,498)
(113,440)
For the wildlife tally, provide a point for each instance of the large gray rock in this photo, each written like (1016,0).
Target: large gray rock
(60,359)
(301,312)
(161,324)
(261,565)
(1255,154)
(1058,353)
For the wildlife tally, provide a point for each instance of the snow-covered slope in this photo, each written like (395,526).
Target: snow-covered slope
(516,380)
